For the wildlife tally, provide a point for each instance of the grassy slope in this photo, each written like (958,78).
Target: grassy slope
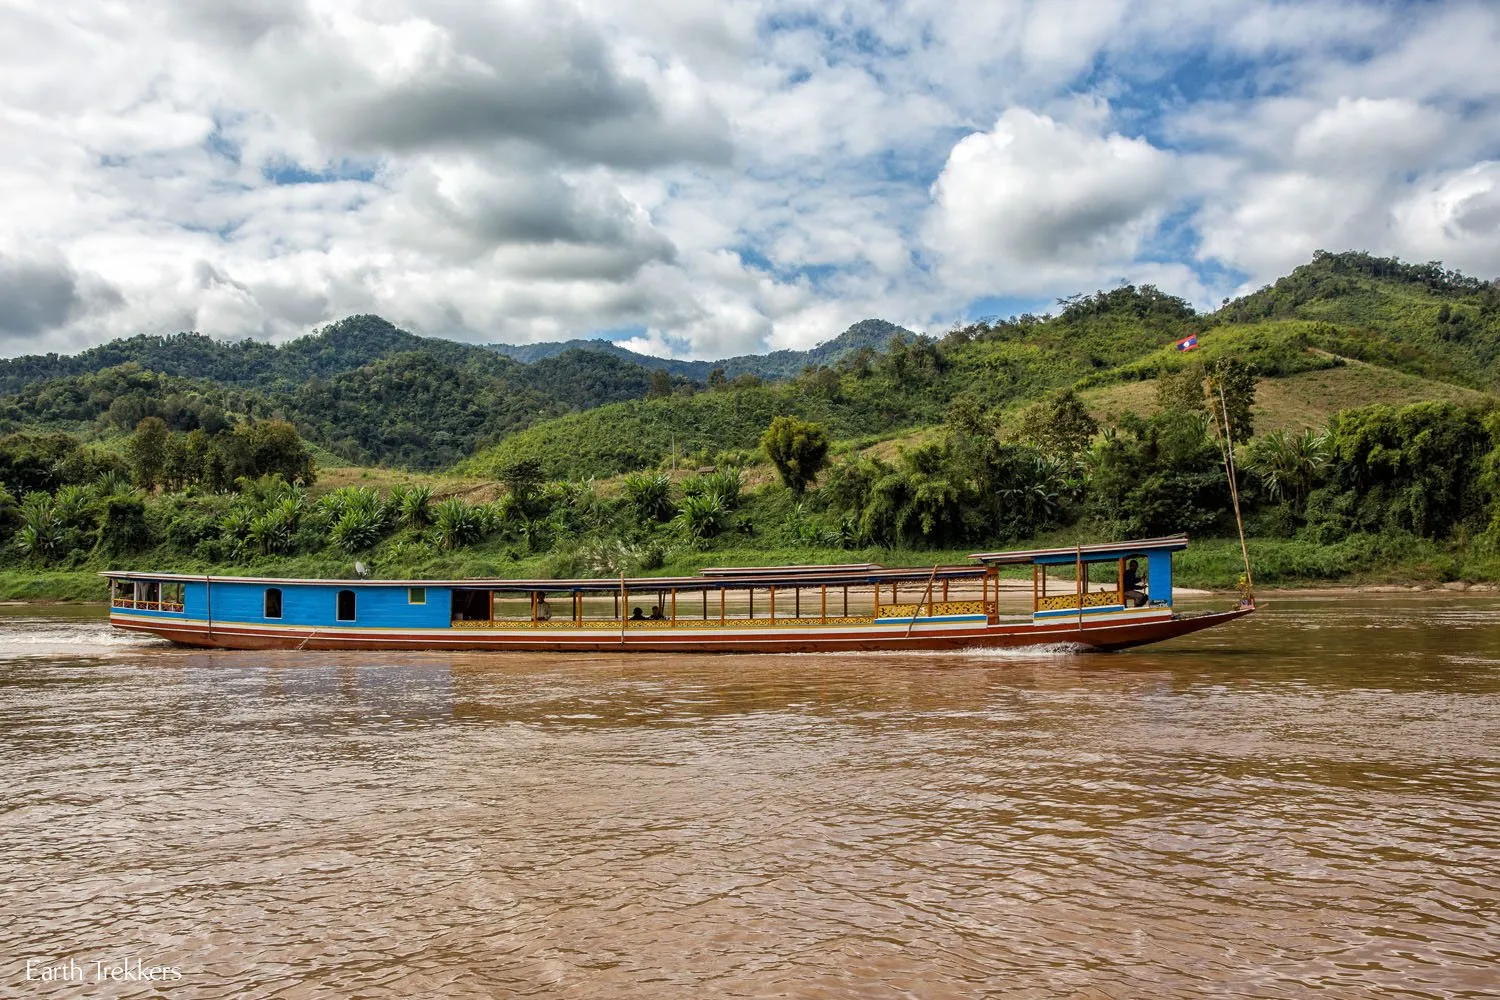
(1299,401)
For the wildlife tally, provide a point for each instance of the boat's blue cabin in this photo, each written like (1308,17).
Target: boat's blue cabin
(1096,579)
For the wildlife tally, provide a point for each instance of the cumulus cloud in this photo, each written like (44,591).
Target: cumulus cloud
(1035,200)
(1455,217)
(728,176)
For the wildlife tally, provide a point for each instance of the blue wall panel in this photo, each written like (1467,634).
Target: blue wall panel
(1159,576)
(316,604)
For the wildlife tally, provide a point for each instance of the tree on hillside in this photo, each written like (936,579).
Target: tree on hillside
(1230,388)
(659,385)
(521,478)
(265,448)
(1060,425)
(148,452)
(798,449)
(1195,388)
(1180,390)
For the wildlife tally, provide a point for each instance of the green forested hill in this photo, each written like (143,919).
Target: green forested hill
(1122,336)
(412,409)
(338,347)
(1417,318)
(416,411)
(375,394)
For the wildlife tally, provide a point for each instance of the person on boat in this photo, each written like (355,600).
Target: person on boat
(637,616)
(543,609)
(1134,595)
(656,614)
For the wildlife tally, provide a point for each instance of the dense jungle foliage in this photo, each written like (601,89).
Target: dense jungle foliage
(923,448)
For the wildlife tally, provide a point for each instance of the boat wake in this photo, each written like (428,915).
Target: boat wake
(23,638)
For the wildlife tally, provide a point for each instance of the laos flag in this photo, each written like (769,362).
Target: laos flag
(1188,343)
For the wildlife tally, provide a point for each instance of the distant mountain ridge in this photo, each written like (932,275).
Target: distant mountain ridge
(871,333)
(360,387)
(339,347)
(361,340)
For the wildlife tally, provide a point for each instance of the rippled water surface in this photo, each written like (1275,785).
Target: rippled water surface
(1304,802)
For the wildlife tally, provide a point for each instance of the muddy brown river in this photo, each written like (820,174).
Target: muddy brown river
(1305,803)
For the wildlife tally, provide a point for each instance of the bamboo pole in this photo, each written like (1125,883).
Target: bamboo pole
(1234,493)
(918,606)
(1080,588)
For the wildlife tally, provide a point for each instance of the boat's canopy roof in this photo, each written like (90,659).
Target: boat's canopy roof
(727,578)
(1089,553)
(716,578)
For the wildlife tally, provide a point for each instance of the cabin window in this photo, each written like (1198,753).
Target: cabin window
(150,592)
(416,595)
(273,603)
(346,606)
(124,592)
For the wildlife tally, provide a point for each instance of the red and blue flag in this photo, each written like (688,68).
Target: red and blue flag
(1188,343)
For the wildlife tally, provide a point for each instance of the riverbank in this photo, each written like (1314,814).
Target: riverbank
(1371,563)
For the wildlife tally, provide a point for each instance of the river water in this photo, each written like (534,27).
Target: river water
(1307,801)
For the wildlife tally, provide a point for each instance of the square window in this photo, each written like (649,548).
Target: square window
(416,595)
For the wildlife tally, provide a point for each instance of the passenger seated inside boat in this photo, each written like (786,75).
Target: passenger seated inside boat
(656,614)
(1134,595)
(543,609)
(636,615)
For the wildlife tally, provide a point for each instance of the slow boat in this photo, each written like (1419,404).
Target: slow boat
(1074,595)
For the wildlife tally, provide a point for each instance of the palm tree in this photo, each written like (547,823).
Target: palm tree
(1290,464)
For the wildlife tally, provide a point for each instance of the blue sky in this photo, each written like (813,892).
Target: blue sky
(712,178)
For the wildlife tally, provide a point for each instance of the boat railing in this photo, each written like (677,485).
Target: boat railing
(930,609)
(123,602)
(664,623)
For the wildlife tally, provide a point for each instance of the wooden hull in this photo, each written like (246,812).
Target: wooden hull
(1118,633)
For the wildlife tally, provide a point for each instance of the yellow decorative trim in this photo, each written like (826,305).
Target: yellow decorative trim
(938,608)
(1069,602)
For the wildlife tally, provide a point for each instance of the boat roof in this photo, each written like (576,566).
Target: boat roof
(1070,553)
(712,579)
(724,577)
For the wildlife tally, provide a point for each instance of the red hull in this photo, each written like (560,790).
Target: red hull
(804,639)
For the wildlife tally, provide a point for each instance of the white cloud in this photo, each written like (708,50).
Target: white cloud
(729,176)
(1362,134)
(1455,217)
(1034,201)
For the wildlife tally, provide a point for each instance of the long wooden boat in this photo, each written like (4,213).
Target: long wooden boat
(1074,595)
